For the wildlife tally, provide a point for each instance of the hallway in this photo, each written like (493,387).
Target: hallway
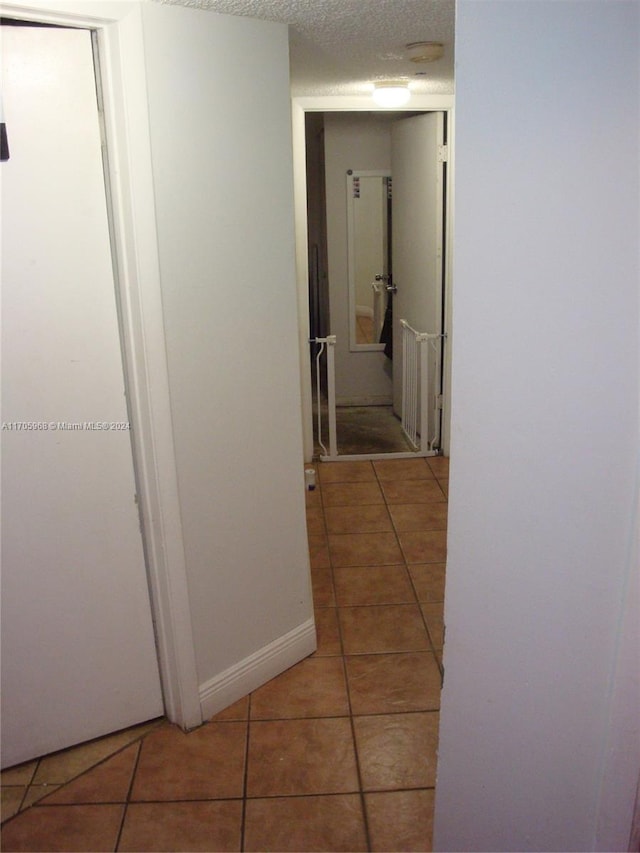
(337,753)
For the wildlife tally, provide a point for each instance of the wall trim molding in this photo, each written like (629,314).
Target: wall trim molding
(355,103)
(240,679)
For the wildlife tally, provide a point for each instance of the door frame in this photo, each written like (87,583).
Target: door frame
(362,103)
(137,282)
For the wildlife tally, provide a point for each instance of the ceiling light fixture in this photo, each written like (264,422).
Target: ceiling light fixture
(425,51)
(391,93)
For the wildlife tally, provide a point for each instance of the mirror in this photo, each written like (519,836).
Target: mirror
(369,256)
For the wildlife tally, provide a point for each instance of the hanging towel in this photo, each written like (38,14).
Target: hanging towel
(386,333)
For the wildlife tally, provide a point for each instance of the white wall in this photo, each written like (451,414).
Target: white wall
(219,111)
(539,742)
(361,143)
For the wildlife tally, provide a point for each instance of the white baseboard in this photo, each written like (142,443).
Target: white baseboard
(247,675)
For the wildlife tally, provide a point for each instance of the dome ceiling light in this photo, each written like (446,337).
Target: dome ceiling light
(391,93)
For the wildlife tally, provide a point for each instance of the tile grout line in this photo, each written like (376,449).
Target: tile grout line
(361,795)
(429,638)
(411,580)
(26,787)
(42,802)
(245,779)
(127,800)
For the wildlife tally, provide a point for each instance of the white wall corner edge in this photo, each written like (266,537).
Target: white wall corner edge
(240,679)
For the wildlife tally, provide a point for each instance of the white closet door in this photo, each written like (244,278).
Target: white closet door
(78,652)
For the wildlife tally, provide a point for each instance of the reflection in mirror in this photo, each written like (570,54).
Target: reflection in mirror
(369,253)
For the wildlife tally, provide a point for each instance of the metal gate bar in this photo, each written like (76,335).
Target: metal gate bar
(415,386)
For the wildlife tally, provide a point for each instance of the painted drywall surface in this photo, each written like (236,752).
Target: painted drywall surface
(221,152)
(544,429)
(361,143)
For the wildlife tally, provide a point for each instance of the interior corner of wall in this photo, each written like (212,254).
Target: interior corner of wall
(250,673)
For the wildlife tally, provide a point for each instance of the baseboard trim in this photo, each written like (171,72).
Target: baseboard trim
(247,675)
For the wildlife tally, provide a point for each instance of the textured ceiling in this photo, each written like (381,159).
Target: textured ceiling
(338,47)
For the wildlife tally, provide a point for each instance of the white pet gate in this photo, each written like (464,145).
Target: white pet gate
(417,396)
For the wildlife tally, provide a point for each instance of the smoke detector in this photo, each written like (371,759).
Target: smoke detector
(425,51)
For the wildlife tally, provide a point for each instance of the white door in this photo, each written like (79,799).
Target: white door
(78,651)
(418,188)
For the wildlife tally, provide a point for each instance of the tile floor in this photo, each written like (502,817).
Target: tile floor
(337,753)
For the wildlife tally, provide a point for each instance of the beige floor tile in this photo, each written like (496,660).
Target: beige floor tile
(397,751)
(362,585)
(64,828)
(21,774)
(345,472)
(35,793)
(313,497)
(414,517)
(429,546)
(315,521)
(238,711)
(412,491)
(185,827)
(401,820)
(444,485)
(295,757)
(358,519)
(439,465)
(318,551)
(315,687)
(353,494)
(12,796)
(322,585)
(327,632)
(394,683)
(428,580)
(433,616)
(61,767)
(364,549)
(402,469)
(109,782)
(207,763)
(388,628)
(305,824)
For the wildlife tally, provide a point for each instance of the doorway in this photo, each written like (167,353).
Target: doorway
(351,195)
